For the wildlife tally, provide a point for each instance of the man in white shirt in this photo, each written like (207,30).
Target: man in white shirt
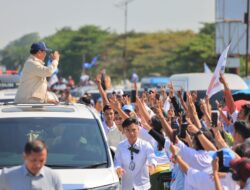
(196,180)
(109,117)
(113,133)
(132,158)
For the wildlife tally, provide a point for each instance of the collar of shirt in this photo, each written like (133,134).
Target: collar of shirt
(135,145)
(36,59)
(107,128)
(27,173)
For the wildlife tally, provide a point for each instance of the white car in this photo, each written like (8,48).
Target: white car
(200,81)
(8,87)
(77,145)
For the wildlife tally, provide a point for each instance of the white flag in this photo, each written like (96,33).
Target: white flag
(206,69)
(215,85)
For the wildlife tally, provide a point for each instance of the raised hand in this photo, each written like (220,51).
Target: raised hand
(192,128)
(126,100)
(158,111)
(98,79)
(180,92)
(115,104)
(171,89)
(222,78)
(55,56)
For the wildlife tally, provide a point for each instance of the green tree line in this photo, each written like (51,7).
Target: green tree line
(164,52)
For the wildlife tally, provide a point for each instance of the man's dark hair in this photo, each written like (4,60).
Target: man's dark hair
(243,149)
(106,107)
(156,124)
(127,122)
(85,100)
(246,109)
(34,146)
(32,51)
(242,129)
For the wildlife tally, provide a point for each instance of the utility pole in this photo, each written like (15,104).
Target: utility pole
(246,19)
(124,5)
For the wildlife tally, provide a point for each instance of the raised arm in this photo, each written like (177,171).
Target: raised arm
(205,111)
(218,138)
(217,183)
(192,111)
(228,96)
(101,90)
(177,106)
(117,106)
(183,165)
(157,136)
(142,109)
(41,70)
(206,144)
(165,125)
(183,103)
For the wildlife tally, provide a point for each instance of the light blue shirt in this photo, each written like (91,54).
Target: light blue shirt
(19,178)
(178,178)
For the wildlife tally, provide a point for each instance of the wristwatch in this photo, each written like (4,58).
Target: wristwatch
(198,133)
(175,156)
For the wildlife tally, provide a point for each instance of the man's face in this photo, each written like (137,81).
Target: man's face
(35,161)
(241,115)
(118,120)
(131,132)
(194,96)
(41,55)
(109,115)
(237,138)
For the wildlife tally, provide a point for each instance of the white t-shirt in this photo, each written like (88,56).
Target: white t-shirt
(198,180)
(197,159)
(115,136)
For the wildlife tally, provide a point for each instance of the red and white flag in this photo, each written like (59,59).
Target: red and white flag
(215,85)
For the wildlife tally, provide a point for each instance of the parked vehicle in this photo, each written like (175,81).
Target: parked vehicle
(77,144)
(9,81)
(200,81)
(248,82)
(8,87)
(154,81)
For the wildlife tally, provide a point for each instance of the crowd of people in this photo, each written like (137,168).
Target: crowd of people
(163,139)
(161,133)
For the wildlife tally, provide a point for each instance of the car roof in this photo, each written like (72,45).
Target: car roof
(47,110)
(200,81)
(8,94)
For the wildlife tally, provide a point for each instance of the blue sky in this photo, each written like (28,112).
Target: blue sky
(19,17)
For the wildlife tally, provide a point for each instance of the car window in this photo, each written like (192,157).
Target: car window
(71,142)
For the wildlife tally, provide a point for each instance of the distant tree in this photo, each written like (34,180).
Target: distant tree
(191,56)
(208,28)
(16,52)
(76,47)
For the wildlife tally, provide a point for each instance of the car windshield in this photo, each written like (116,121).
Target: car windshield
(71,142)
